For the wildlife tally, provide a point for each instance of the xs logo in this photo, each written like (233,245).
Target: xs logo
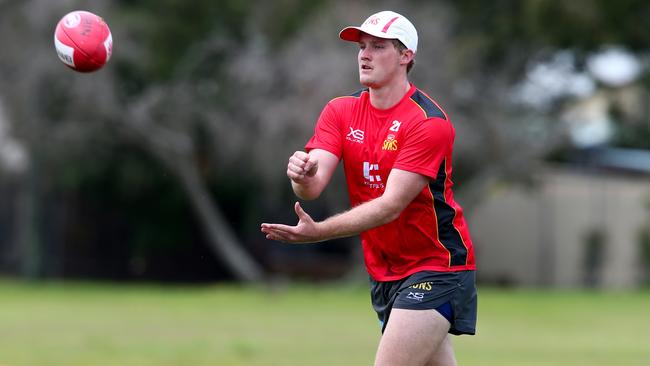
(355,135)
(415,296)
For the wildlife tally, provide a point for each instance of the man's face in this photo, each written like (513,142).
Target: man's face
(379,61)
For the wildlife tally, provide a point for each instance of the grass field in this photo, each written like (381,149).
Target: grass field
(136,325)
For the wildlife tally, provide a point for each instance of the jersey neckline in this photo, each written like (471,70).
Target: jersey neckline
(388,111)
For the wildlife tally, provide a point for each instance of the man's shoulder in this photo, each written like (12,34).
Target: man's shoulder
(427,105)
(349,98)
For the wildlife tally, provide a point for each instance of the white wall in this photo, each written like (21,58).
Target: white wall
(537,235)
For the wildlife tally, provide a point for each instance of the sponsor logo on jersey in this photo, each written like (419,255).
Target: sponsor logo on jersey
(355,135)
(390,143)
(372,179)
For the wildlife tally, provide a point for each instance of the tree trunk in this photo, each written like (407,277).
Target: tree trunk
(221,238)
(174,149)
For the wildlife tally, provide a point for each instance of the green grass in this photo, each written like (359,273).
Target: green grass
(89,324)
(559,328)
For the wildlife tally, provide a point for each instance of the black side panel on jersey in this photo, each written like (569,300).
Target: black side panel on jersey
(427,105)
(447,233)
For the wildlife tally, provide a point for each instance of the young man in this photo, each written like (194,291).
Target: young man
(396,146)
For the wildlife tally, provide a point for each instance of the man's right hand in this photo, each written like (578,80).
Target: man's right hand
(301,167)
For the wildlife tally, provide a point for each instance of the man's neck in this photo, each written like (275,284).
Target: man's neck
(389,95)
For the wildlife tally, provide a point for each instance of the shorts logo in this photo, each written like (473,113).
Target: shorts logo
(426,286)
(415,296)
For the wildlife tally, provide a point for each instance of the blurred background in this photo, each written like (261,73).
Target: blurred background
(161,166)
(131,198)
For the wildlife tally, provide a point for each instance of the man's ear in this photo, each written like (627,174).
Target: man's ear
(406,57)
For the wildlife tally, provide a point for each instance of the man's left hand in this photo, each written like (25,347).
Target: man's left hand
(305,231)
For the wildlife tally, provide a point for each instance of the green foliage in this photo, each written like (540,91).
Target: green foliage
(631,132)
(124,212)
(588,24)
(583,25)
(510,35)
(286,17)
(644,247)
(166,29)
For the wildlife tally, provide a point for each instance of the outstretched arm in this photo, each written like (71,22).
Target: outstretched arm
(401,188)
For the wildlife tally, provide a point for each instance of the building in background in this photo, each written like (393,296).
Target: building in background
(575,227)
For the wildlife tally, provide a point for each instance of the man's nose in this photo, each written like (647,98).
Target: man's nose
(364,54)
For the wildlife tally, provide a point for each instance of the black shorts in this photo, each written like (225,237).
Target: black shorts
(429,290)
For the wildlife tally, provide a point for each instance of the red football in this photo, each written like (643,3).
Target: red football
(83,41)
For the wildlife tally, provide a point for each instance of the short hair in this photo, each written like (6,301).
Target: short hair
(401,48)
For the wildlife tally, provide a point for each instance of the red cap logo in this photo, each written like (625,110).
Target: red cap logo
(373,20)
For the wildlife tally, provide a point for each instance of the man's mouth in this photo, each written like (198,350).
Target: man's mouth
(366,67)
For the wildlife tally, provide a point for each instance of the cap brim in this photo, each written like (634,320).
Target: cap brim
(353,34)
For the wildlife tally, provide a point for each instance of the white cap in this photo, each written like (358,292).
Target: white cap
(385,24)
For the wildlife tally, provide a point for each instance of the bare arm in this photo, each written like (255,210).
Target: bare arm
(401,189)
(311,172)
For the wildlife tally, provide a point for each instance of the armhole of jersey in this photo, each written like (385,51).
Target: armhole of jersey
(428,106)
(355,95)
